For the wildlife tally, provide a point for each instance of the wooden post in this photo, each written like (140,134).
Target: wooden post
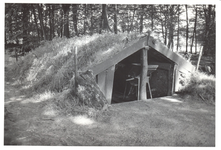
(198,62)
(75,67)
(170,80)
(101,81)
(144,69)
(174,78)
(109,83)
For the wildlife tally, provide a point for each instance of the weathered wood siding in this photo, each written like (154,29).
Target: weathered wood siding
(105,81)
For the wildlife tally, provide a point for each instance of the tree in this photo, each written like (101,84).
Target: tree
(75,18)
(85,18)
(66,8)
(25,12)
(161,20)
(104,24)
(115,18)
(51,20)
(152,16)
(209,35)
(194,31)
(132,21)
(178,30)
(166,23)
(171,27)
(91,19)
(40,16)
(187,28)
(45,21)
(36,21)
(141,18)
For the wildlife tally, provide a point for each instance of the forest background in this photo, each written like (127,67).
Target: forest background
(182,27)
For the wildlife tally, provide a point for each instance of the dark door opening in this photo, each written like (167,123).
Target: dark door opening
(125,90)
(122,70)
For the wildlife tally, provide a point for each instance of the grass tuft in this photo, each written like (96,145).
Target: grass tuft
(201,87)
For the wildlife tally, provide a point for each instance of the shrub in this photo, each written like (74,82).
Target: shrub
(201,87)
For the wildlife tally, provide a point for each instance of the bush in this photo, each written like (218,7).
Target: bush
(200,87)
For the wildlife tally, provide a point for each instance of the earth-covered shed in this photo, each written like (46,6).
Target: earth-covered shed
(119,76)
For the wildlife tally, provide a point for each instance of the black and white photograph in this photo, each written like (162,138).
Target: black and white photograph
(109,73)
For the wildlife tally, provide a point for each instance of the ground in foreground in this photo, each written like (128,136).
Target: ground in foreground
(167,121)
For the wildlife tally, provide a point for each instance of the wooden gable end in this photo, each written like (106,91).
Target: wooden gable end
(119,56)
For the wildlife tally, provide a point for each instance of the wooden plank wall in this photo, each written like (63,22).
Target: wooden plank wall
(169,67)
(105,81)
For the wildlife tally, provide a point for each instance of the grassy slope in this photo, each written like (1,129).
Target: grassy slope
(48,70)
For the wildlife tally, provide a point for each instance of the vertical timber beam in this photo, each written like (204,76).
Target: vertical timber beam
(101,79)
(109,83)
(174,78)
(170,80)
(143,78)
(177,79)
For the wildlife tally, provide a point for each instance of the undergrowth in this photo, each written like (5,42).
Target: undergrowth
(50,67)
(201,87)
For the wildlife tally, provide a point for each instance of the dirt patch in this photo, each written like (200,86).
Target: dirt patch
(167,121)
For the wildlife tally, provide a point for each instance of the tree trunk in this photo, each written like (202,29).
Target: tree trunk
(131,24)
(152,17)
(75,18)
(162,22)
(25,11)
(85,18)
(207,14)
(166,25)
(66,8)
(10,27)
(43,36)
(46,12)
(61,25)
(51,21)
(104,20)
(194,30)
(91,20)
(128,20)
(165,40)
(141,18)
(170,43)
(36,22)
(115,18)
(178,31)
(162,27)
(187,29)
